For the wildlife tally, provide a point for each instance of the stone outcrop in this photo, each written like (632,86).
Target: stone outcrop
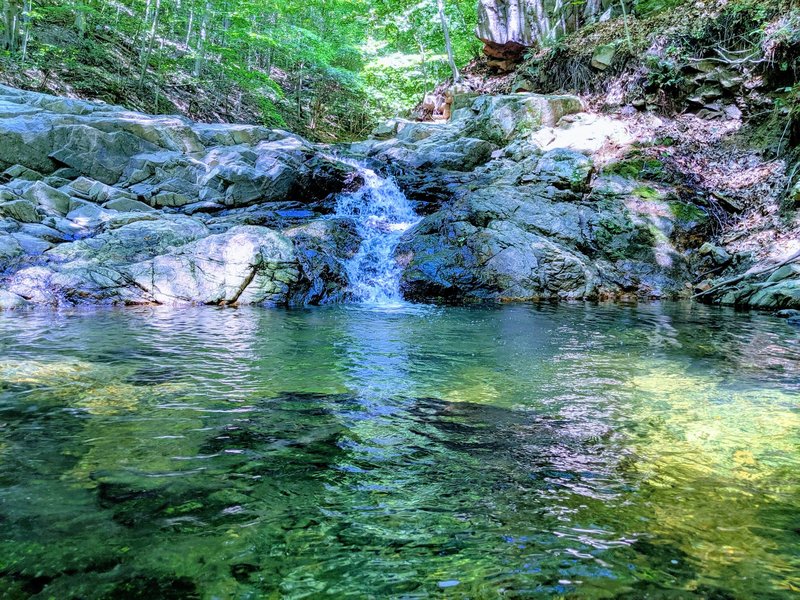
(99,205)
(528,216)
(102,205)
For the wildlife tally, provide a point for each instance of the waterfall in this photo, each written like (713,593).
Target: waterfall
(382,213)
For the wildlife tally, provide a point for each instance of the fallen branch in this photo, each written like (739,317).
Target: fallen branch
(769,269)
(722,58)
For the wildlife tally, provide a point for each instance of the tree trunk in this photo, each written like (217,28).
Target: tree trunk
(11,18)
(448,46)
(189,26)
(26,22)
(149,48)
(80,21)
(201,42)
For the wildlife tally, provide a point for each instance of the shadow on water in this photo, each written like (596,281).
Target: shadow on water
(590,452)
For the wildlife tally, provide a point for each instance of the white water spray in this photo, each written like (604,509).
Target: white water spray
(382,213)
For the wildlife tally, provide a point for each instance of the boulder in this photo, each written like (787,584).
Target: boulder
(245,265)
(322,248)
(603,56)
(386,129)
(45,232)
(32,245)
(9,250)
(717,254)
(94,153)
(502,118)
(565,169)
(19,172)
(20,210)
(85,214)
(132,242)
(94,191)
(49,199)
(10,301)
(515,242)
(128,205)
(79,284)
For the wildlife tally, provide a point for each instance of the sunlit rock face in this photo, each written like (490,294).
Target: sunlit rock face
(536,213)
(99,204)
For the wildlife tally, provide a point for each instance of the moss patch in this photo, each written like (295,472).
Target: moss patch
(687,212)
(637,167)
(645,192)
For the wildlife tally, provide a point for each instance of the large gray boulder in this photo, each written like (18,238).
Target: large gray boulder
(511,240)
(99,204)
(245,265)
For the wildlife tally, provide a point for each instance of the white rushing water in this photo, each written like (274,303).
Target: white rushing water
(382,213)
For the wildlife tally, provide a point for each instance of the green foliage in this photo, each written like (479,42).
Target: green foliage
(664,73)
(328,69)
(270,115)
(647,7)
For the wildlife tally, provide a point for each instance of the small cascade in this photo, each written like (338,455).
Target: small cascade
(382,213)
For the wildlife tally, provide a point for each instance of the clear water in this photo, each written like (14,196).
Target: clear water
(570,452)
(382,213)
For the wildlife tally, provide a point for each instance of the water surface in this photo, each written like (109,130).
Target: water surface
(570,452)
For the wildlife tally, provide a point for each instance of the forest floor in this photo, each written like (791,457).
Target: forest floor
(106,67)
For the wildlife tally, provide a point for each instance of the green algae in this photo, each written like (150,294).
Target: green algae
(588,452)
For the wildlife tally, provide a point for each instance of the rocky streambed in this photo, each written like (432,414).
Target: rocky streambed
(100,205)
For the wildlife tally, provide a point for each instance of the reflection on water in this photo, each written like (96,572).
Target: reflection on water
(578,452)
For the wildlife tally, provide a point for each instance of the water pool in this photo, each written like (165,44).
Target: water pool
(522,451)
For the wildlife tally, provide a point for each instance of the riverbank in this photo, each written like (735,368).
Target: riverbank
(525,197)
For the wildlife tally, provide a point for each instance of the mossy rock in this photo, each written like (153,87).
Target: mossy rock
(620,238)
(686,212)
(637,168)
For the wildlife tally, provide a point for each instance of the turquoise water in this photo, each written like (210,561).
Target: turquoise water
(523,451)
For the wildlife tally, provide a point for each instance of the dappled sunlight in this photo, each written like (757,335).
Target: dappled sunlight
(700,434)
(602,447)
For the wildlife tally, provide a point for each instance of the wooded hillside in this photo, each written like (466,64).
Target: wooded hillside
(323,68)
(331,69)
